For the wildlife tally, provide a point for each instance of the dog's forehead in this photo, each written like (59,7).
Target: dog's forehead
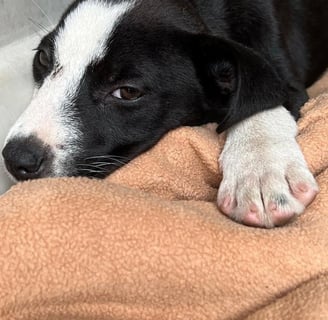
(83,36)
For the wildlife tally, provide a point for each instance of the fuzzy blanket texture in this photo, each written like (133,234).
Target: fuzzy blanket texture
(150,243)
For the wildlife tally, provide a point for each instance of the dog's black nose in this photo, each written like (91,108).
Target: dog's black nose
(26,158)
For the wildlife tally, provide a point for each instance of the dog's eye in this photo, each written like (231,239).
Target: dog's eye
(43,58)
(127,93)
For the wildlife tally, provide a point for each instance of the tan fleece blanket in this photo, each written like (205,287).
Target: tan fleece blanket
(149,242)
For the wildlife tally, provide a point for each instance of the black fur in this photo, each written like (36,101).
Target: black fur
(195,61)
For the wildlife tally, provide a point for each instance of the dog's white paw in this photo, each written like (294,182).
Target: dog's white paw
(266,181)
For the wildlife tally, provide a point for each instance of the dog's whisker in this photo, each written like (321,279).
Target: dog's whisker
(113,160)
(116,163)
(91,170)
(110,160)
(43,12)
(86,166)
(107,157)
(121,162)
(103,164)
(39,27)
(94,166)
(37,31)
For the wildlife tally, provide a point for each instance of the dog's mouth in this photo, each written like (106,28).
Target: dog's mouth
(28,166)
(29,159)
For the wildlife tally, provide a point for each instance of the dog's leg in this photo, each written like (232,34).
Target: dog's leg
(266,181)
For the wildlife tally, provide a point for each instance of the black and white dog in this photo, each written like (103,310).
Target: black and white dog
(115,75)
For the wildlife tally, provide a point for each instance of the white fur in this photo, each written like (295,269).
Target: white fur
(261,159)
(79,43)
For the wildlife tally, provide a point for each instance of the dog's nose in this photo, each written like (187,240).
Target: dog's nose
(25,158)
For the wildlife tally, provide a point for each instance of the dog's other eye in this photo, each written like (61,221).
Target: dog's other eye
(127,93)
(43,58)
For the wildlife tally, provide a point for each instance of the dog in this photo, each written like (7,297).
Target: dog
(115,75)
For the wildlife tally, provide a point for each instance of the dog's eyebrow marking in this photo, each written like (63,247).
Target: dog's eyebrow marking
(85,33)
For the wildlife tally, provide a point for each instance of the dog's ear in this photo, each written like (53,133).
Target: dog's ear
(237,81)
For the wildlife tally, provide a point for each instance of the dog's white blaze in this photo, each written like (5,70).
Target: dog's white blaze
(84,36)
(80,42)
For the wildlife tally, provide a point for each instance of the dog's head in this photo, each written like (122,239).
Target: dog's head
(115,76)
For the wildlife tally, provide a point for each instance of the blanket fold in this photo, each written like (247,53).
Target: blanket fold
(150,243)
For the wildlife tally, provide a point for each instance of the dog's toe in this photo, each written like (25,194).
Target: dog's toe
(281,216)
(252,217)
(266,199)
(302,184)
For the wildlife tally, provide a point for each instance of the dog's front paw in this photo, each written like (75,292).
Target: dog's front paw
(266,187)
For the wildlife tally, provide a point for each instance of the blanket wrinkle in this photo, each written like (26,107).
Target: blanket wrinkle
(149,242)
(299,302)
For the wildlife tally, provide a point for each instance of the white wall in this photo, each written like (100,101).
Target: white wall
(16,16)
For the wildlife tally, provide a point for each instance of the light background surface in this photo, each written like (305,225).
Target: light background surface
(16,16)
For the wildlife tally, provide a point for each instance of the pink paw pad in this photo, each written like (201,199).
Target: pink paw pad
(227,205)
(304,193)
(280,217)
(252,217)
